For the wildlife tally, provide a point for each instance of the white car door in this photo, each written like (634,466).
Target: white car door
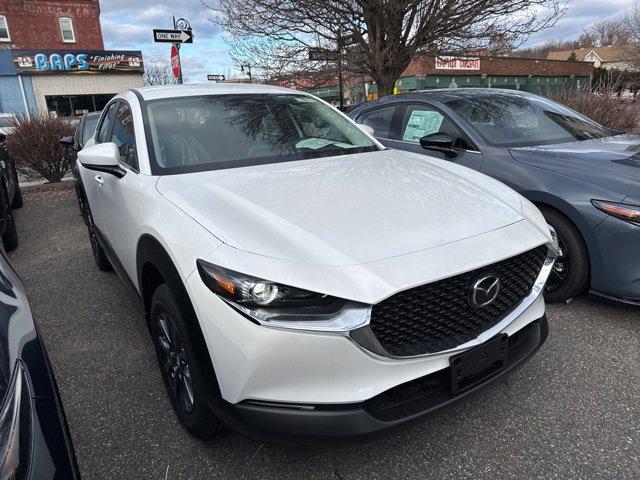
(119,193)
(93,181)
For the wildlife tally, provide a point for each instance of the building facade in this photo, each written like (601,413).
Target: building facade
(429,72)
(52,59)
(610,57)
(50,25)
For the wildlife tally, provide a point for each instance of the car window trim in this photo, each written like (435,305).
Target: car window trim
(103,119)
(129,167)
(408,103)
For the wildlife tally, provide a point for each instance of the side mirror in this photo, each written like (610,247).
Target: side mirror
(439,142)
(367,129)
(103,157)
(66,141)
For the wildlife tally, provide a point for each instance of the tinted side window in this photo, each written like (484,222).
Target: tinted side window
(89,128)
(105,126)
(124,135)
(379,119)
(421,120)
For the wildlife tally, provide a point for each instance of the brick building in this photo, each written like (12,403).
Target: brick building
(50,24)
(52,59)
(428,72)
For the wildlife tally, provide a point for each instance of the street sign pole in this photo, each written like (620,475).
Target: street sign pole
(178,48)
(180,34)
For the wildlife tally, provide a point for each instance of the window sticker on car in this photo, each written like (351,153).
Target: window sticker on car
(421,123)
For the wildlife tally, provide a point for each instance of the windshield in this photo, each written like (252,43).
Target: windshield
(223,131)
(89,127)
(515,121)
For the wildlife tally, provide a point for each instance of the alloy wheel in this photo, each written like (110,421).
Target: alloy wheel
(174,362)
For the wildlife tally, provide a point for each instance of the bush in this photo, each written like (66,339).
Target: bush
(602,103)
(34,144)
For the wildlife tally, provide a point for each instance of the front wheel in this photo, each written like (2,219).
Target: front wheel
(178,366)
(570,274)
(10,235)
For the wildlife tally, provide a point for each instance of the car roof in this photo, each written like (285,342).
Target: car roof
(171,91)
(443,95)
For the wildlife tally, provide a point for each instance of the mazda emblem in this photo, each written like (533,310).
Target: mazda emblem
(484,291)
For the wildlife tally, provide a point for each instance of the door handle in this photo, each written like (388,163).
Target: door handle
(99,179)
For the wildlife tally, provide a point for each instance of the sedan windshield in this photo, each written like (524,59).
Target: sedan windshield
(223,131)
(516,121)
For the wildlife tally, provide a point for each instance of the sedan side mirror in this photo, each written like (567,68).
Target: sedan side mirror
(439,142)
(103,157)
(66,141)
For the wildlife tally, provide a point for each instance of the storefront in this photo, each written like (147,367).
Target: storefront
(543,77)
(66,82)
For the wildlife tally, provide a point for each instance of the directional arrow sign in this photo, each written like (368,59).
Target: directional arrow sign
(173,36)
(215,78)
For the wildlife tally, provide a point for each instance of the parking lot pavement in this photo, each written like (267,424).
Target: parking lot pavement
(572,412)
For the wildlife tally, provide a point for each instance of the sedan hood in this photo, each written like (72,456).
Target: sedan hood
(616,158)
(343,210)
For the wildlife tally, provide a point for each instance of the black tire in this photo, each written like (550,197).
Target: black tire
(570,275)
(178,366)
(10,235)
(82,204)
(99,255)
(17,197)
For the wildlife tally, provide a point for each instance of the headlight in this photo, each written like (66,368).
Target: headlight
(629,213)
(281,306)
(255,292)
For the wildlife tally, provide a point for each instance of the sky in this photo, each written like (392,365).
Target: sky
(128,25)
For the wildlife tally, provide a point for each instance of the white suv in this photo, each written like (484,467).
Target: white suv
(300,281)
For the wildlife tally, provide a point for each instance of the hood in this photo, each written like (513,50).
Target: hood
(615,158)
(343,210)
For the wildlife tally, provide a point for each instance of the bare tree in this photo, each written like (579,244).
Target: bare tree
(378,37)
(157,68)
(613,31)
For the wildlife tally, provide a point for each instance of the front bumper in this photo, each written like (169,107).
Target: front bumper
(615,267)
(399,406)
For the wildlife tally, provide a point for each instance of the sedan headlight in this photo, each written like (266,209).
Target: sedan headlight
(255,292)
(629,213)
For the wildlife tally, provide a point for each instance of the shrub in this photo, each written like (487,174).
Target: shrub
(601,102)
(34,144)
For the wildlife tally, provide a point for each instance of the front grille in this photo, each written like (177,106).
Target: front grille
(438,316)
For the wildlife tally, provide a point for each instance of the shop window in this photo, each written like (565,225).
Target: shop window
(66,28)
(4,30)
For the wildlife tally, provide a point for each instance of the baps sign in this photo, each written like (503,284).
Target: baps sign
(92,61)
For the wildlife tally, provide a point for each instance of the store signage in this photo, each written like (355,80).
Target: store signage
(172,36)
(77,61)
(457,63)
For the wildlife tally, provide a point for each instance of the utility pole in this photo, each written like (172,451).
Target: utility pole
(340,87)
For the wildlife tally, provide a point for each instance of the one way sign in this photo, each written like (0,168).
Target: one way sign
(173,36)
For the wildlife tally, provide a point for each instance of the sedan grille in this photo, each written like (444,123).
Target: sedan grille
(439,316)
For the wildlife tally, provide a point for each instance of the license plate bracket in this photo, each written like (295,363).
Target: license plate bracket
(472,367)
